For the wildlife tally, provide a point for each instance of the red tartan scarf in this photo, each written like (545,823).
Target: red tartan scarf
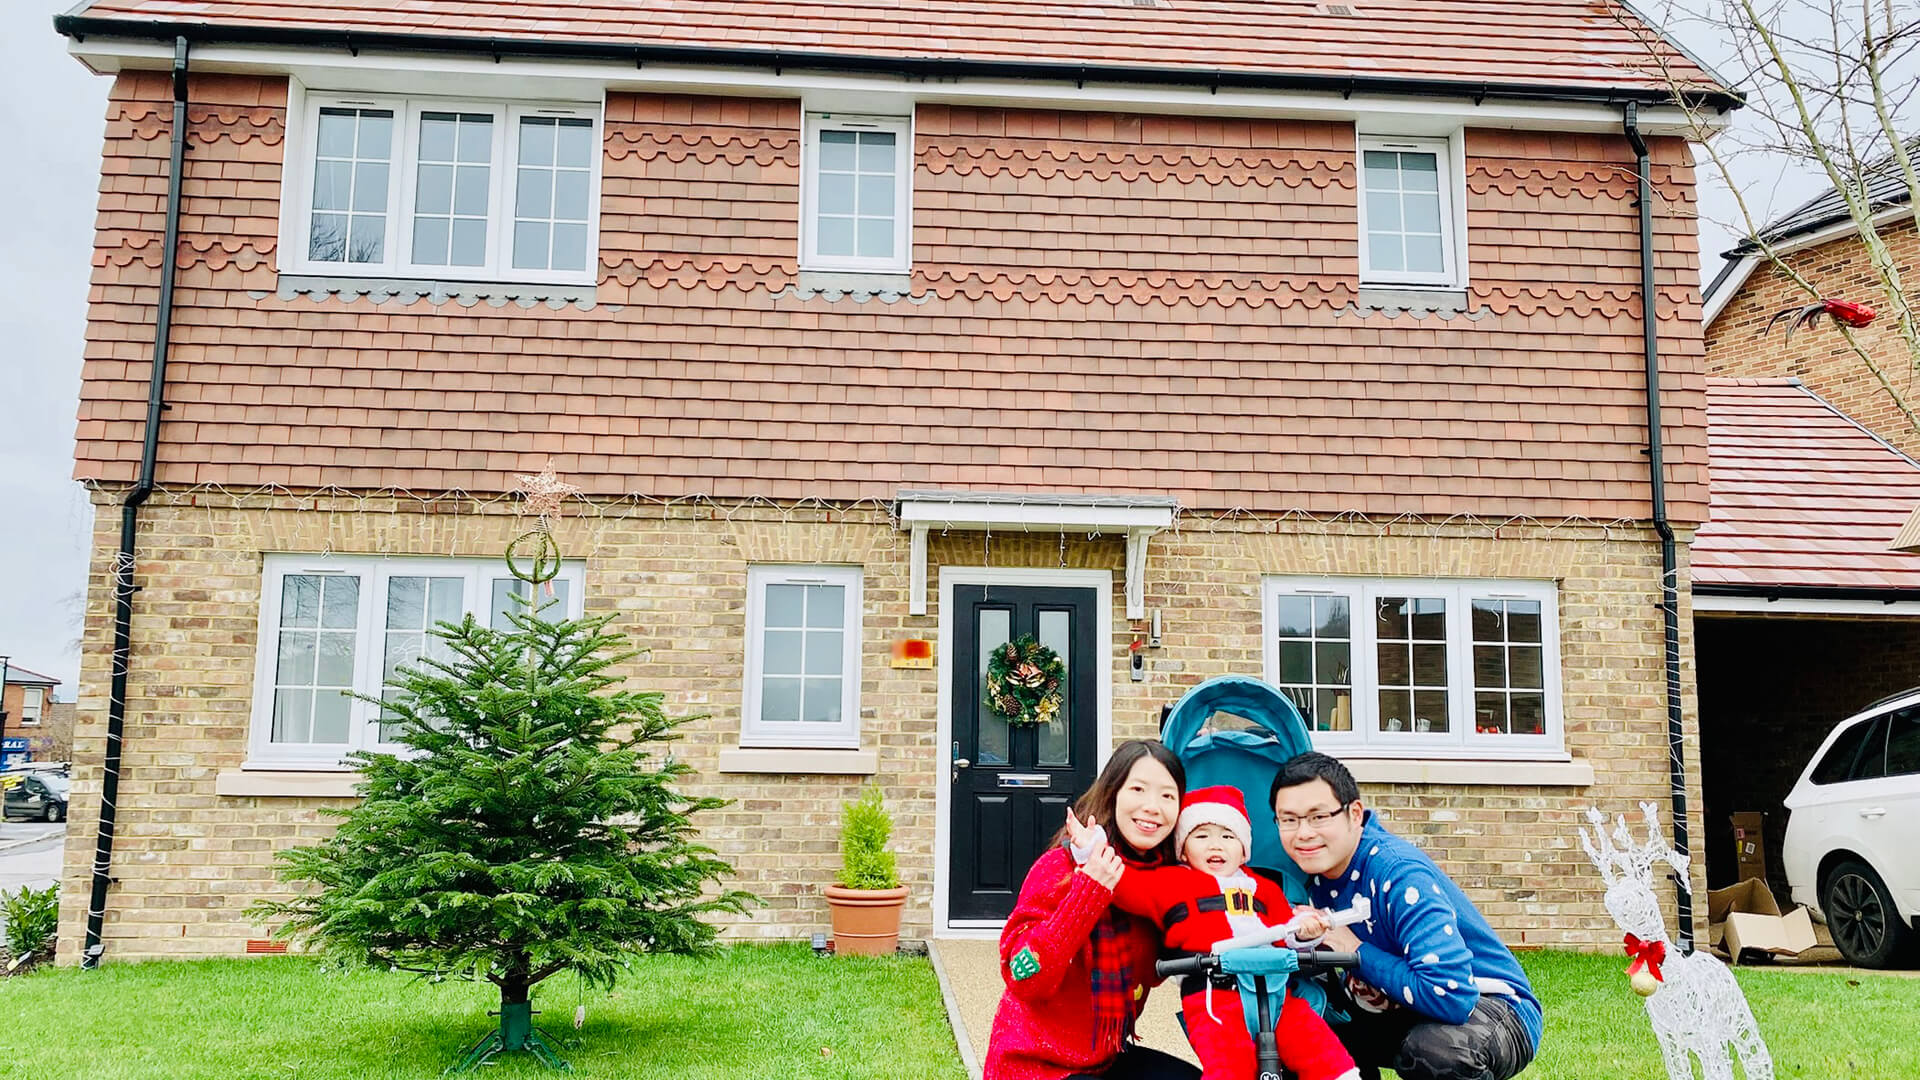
(1112,977)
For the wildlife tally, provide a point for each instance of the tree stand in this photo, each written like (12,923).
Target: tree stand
(516,1032)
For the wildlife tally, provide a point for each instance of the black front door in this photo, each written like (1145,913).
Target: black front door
(1012,785)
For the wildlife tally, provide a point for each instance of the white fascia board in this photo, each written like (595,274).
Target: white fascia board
(1040,515)
(376,71)
(1717,300)
(1789,605)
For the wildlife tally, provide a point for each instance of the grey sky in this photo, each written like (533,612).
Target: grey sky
(51,113)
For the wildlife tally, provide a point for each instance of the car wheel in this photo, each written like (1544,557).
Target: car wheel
(57,812)
(1866,927)
(52,813)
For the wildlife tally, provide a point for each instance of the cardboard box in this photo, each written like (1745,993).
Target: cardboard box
(1749,842)
(1745,918)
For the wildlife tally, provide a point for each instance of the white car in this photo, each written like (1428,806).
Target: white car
(1853,837)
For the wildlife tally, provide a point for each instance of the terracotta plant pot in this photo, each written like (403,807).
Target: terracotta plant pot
(866,922)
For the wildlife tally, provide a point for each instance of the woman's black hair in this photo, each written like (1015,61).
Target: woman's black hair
(1310,766)
(1098,802)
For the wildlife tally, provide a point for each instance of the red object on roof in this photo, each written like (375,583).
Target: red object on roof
(1800,495)
(1578,44)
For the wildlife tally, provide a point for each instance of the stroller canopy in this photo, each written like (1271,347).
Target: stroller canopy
(1247,758)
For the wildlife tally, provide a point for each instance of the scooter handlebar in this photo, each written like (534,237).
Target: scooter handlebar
(1207,963)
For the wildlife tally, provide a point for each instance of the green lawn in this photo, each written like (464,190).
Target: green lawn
(1816,1023)
(754,1011)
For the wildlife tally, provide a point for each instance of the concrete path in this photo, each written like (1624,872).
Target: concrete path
(970,976)
(30,854)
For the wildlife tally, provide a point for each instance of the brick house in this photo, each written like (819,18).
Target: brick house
(1308,337)
(1813,473)
(26,712)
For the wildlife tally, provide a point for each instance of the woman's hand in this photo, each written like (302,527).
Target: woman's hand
(1104,866)
(1084,836)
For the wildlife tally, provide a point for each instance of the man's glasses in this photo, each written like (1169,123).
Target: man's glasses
(1289,824)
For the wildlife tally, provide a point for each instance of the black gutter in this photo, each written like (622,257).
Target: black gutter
(1889,595)
(123,587)
(80,27)
(1669,560)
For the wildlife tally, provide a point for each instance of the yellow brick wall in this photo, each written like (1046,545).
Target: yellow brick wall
(188,861)
(1818,355)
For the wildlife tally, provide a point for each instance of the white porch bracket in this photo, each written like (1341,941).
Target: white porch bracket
(1137,516)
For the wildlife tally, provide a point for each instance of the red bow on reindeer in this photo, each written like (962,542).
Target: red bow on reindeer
(1646,954)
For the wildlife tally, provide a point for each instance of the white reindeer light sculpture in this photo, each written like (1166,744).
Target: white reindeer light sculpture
(1693,1002)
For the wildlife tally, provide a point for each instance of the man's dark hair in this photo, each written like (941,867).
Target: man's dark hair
(1310,766)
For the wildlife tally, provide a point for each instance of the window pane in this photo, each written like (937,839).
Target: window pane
(292,715)
(1296,662)
(569,247)
(1525,661)
(1385,252)
(1430,665)
(1334,711)
(469,242)
(436,136)
(1429,619)
(1396,710)
(330,711)
(533,194)
(340,602)
(876,238)
(435,193)
(1420,172)
(470,190)
(780,700)
(1395,665)
(786,605)
(332,185)
(1383,212)
(1422,213)
(836,235)
(1425,254)
(406,603)
(1523,620)
(336,660)
(376,136)
(822,702)
(782,655)
(836,150)
(1390,618)
(1430,710)
(1330,661)
(509,595)
(294,665)
(431,236)
(536,141)
(1489,621)
(1903,743)
(826,606)
(824,654)
(370,188)
(1490,713)
(336,133)
(447,601)
(575,144)
(402,649)
(1332,616)
(1055,631)
(530,240)
(836,193)
(876,195)
(476,137)
(367,239)
(300,600)
(570,196)
(995,735)
(1838,764)
(1489,666)
(328,240)
(1295,616)
(876,152)
(1529,714)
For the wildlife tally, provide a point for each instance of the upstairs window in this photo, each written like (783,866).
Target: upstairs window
(32,698)
(1409,210)
(445,190)
(856,192)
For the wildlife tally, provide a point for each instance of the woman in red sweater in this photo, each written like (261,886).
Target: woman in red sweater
(1077,970)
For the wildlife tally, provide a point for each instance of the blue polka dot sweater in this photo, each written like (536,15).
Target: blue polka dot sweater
(1427,947)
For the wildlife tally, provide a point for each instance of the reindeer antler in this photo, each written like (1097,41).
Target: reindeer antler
(1619,855)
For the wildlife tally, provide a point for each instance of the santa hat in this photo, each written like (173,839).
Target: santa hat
(1220,805)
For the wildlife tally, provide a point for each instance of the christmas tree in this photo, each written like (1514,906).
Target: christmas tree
(526,832)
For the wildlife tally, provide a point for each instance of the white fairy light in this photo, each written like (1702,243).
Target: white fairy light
(1693,1002)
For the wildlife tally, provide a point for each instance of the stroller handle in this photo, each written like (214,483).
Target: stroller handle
(1311,960)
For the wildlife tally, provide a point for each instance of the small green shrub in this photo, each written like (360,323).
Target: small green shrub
(865,861)
(32,917)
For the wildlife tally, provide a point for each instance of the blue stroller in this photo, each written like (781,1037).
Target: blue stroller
(1238,731)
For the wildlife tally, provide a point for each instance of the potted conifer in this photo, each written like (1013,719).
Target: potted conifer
(867,899)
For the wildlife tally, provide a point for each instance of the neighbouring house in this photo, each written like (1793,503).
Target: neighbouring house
(1302,341)
(26,699)
(1812,475)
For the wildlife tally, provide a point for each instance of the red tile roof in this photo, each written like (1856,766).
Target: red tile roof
(1800,496)
(1574,45)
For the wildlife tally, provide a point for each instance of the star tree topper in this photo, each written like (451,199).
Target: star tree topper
(543,493)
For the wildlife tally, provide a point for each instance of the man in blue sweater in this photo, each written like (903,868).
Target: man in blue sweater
(1437,996)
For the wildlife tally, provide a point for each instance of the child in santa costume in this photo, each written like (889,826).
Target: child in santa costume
(1212,898)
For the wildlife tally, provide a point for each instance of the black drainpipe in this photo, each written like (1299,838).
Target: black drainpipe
(1669,563)
(123,588)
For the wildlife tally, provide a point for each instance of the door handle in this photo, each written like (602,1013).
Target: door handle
(1874,812)
(961,763)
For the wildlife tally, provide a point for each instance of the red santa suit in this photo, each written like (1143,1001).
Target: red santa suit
(1195,909)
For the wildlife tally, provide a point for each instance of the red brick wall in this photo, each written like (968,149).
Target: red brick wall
(1144,303)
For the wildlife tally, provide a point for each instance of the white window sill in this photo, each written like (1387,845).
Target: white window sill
(1575,773)
(287,783)
(800,762)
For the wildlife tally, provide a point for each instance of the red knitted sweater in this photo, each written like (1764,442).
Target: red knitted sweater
(1044,1028)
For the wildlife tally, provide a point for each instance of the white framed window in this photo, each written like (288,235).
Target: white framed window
(32,700)
(856,194)
(442,189)
(1412,199)
(803,657)
(335,626)
(1403,667)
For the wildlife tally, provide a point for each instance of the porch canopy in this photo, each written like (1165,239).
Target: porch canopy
(1805,505)
(1137,517)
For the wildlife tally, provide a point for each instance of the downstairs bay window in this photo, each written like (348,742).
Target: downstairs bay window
(1419,668)
(336,626)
